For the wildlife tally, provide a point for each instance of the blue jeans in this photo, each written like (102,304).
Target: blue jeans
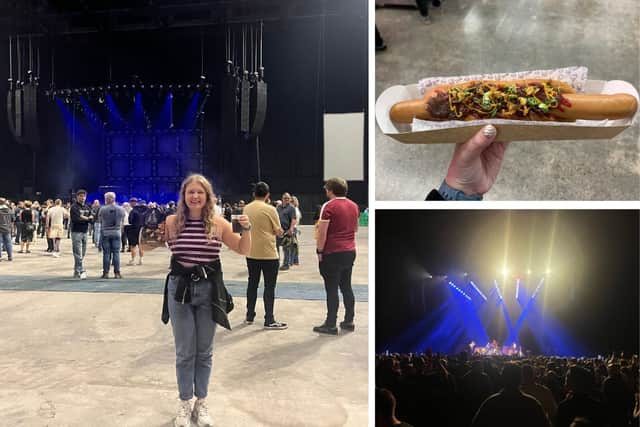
(110,250)
(288,255)
(79,247)
(5,244)
(96,234)
(193,332)
(18,232)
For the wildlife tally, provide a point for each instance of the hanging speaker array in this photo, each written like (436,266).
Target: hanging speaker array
(22,96)
(244,91)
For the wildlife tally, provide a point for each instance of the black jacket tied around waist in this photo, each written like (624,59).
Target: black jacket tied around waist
(221,300)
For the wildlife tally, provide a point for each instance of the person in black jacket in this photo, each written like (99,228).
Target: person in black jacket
(136,222)
(80,218)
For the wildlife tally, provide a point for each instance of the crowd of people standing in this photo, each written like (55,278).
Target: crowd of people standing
(463,390)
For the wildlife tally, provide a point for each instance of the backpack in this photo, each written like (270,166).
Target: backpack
(152,220)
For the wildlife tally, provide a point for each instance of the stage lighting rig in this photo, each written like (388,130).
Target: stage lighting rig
(484,297)
(106,99)
(460,291)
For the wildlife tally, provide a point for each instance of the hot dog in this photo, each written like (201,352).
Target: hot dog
(541,100)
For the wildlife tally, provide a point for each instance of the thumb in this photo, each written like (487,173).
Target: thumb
(479,142)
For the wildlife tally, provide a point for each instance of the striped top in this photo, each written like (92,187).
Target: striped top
(192,246)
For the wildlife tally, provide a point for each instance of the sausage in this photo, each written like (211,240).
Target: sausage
(516,100)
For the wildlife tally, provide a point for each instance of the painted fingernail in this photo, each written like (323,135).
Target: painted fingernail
(489,131)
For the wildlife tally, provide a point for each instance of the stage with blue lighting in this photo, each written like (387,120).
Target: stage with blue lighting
(495,318)
(507,283)
(138,141)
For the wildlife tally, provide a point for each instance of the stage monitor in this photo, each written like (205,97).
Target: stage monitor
(344,146)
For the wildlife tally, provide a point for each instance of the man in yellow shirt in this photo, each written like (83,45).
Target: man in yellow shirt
(263,258)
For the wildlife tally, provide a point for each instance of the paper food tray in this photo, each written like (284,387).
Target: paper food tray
(508,130)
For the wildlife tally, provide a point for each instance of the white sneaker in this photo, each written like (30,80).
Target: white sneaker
(83,275)
(55,254)
(131,262)
(200,414)
(139,261)
(183,416)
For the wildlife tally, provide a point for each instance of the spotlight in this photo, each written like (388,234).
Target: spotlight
(529,271)
(465,274)
(505,271)
(203,78)
(548,271)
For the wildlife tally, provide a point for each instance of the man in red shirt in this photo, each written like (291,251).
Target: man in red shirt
(336,249)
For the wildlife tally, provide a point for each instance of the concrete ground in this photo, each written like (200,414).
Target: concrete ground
(95,353)
(472,36)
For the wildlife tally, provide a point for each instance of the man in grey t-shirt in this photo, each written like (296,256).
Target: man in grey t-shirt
(111,217)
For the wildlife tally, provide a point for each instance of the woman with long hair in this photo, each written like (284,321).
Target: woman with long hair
(194,297)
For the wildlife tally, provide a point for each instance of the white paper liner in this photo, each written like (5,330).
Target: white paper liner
(575,76)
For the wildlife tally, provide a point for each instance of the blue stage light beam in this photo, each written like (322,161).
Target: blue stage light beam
(527,308)
(537,288)
(460,291)
(484,297)
(191,115)
(553,338)
(165,118)
(91,115)
(114,113)
(139,116)
(517,289)
(495,283)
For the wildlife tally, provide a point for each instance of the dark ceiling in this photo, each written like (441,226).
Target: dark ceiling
(47,17)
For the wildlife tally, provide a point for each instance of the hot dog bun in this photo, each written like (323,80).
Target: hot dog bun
(573,106)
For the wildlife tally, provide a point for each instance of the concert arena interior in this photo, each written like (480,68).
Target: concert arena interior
(460,295)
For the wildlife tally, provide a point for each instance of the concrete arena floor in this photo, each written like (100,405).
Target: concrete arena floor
(98,357)
(472,36)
